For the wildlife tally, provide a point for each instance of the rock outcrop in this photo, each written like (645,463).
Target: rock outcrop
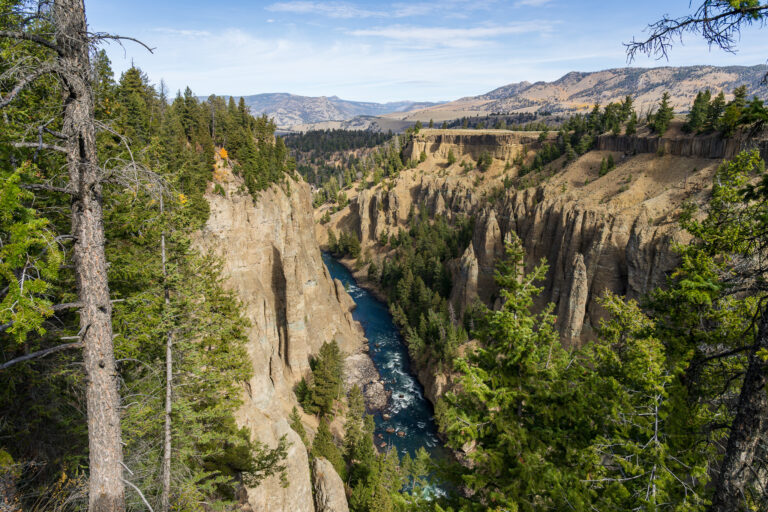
(503,145)
(271,260)
(597,233)
(710,146)
(329,488)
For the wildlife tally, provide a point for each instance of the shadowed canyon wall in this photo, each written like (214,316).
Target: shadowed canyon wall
(272,261)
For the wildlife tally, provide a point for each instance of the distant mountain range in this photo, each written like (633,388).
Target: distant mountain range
(289,110)
(574,92)
(578,92)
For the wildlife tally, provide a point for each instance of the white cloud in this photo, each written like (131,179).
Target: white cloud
(183,33)
(451,37)
(330,9)
(345,10)
(531,3)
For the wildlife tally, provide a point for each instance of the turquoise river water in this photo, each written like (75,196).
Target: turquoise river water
(408,410)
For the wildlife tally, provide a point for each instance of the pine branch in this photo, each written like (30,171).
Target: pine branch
(56,308)
(41,353)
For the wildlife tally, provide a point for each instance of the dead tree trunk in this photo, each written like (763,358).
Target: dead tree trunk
(747,428)
(106,487)
(166,470)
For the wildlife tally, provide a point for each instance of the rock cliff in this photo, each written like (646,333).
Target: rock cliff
(271,260)
(709,146)
(597,233)
(329,488)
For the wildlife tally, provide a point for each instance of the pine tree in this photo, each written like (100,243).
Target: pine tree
(698,114)
(714,112)
(324,446)
(495,408)
(631,128)
(663,115)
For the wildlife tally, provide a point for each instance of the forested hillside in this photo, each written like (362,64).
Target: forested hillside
(578,271)
(172,320)
(639,413)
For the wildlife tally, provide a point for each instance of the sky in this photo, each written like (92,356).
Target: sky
(421,50)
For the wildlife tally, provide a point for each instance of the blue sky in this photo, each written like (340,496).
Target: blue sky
(385,51)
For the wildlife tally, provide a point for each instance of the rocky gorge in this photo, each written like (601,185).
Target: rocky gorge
(271,260)
(598,233)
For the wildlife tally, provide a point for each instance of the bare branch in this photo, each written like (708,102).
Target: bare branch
(717,28)
(39,145)
(27,80)
(103,36)
(41,353)
(49,188)
(26,36)
(138,491)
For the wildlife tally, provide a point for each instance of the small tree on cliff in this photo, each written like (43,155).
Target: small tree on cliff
(663,116)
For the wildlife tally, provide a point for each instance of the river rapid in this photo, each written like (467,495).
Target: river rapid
(408,411)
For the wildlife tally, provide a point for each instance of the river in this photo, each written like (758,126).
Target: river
(409,411)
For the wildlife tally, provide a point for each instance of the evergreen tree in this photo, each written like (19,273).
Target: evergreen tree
(495,408)
(663,115)
(714,112)
(324,446)
(698,115)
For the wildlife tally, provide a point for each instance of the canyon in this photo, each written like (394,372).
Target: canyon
(614,232)
(271,260)
(611,233)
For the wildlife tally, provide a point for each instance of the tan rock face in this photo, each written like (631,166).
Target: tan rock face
(502,145)
(597,233)
(272,261)
(329,488)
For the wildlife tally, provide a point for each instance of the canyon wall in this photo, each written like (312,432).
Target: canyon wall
(709,146)
(597,233)
(503,145)
(273,263)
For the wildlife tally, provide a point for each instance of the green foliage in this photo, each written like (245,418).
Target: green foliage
(418,283)
(607,165)
(324,446)
(631,127)
(663,115)
(484,161)
(347,244)
(298,427)
(620,424)
(697,117)
(319,393)
(29,260)
(41,400)
(709,114)
(497,405)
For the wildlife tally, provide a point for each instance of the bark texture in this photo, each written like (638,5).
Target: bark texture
(747,429)
(106,487)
